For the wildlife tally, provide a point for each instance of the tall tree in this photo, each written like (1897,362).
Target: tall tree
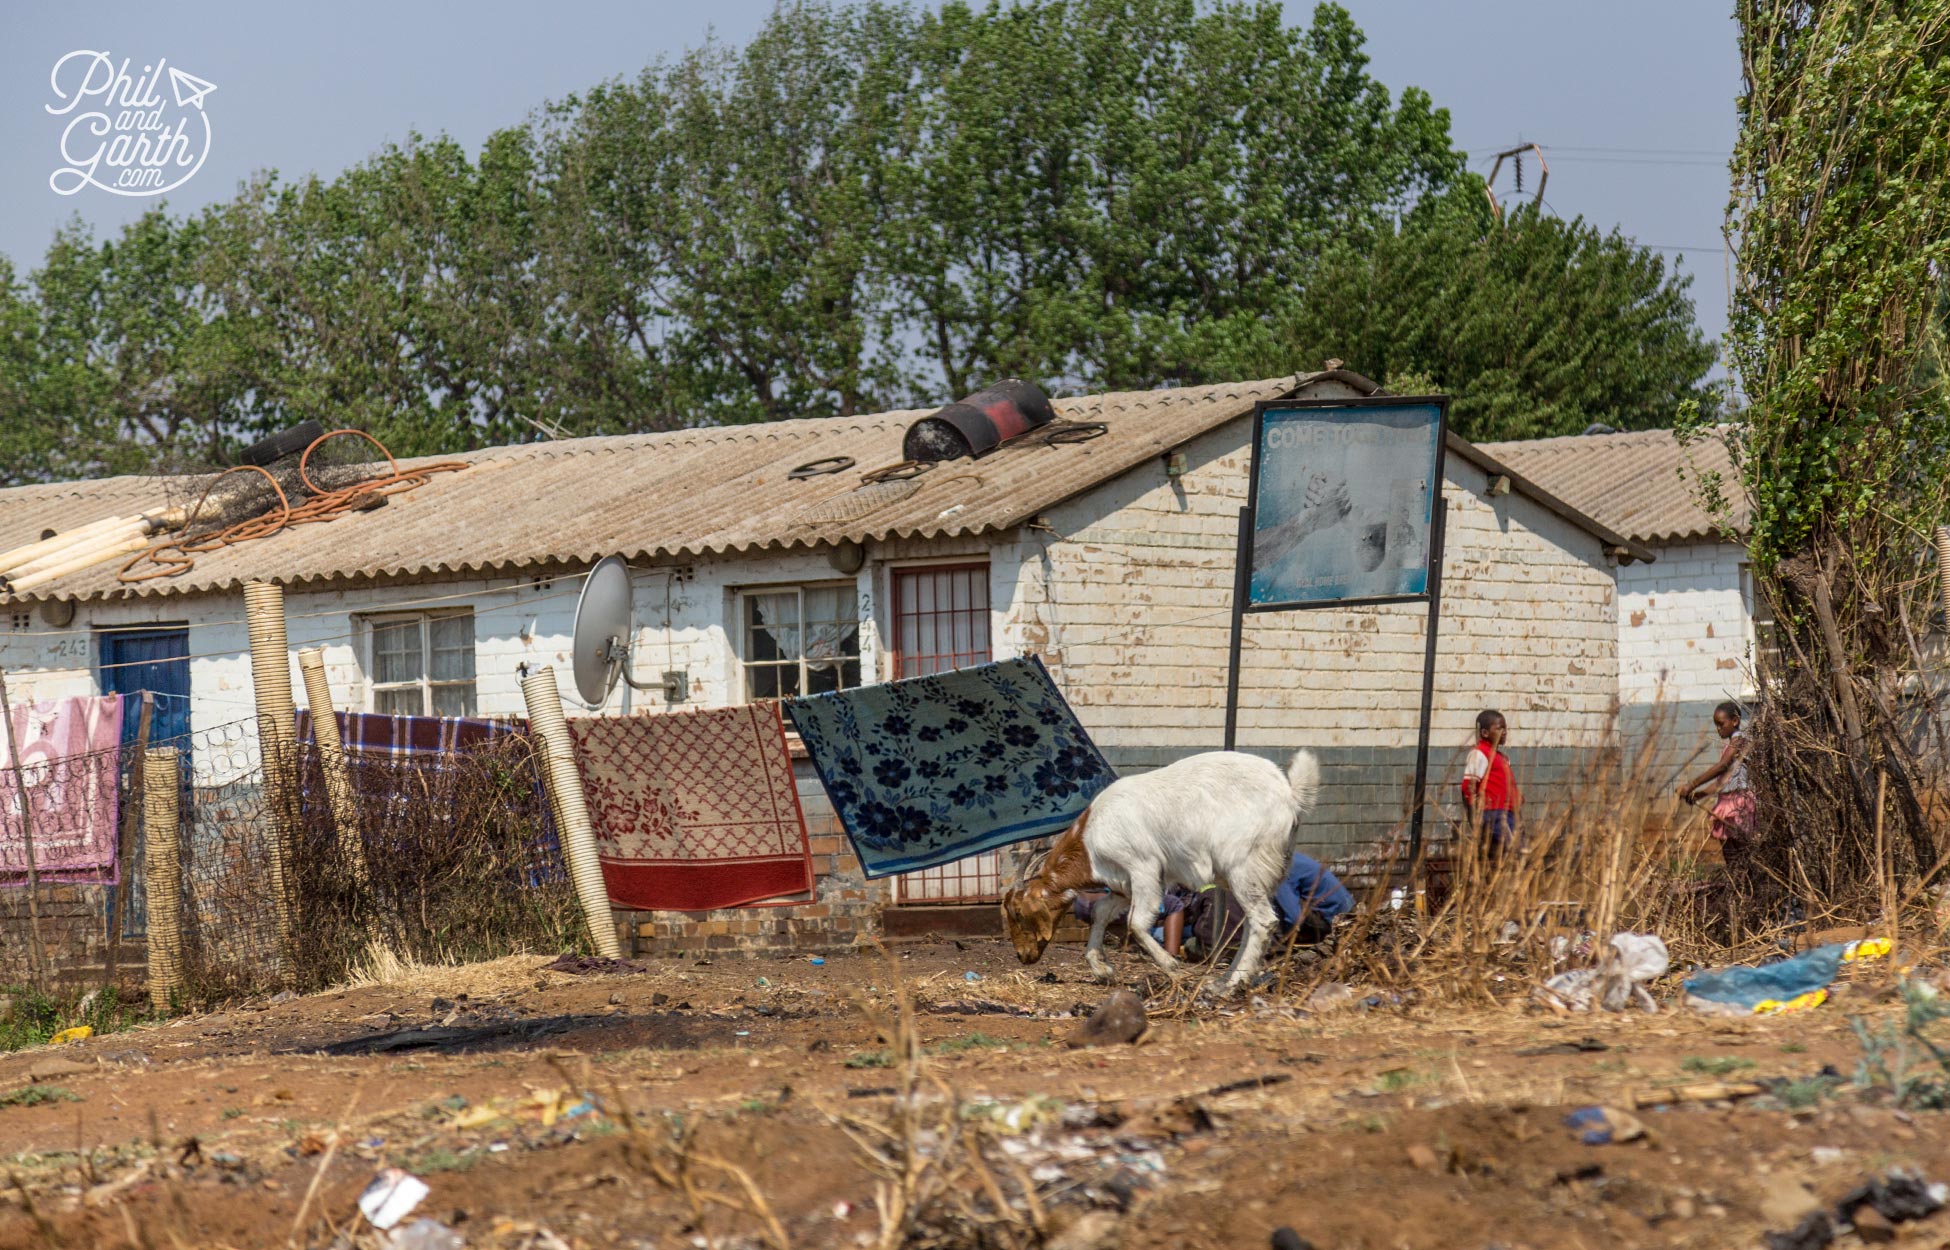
(132,360)
(1842,220)
(1535,325)
(1083,181)
(737,197)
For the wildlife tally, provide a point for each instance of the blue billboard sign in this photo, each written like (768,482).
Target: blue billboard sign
(1343,501)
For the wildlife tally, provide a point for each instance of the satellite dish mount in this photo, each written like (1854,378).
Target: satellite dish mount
(604,629)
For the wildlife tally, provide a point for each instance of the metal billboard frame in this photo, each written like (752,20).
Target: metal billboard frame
(1438,533)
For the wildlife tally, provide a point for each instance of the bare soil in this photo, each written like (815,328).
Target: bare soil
(1398,1125)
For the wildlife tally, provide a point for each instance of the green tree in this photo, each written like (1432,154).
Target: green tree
(30,442)
(1085,182)
(133,361)
(723,216)
(1841,212)
(1535,325)
(867,204)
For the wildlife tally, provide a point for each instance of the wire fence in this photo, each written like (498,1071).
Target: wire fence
(379,859)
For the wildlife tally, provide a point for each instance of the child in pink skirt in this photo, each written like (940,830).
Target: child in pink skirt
(1732,820)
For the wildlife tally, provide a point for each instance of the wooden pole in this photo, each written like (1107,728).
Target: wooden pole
(571,809)
(277,735)
(118,915)
(161,817)
(331,758)
(37,949)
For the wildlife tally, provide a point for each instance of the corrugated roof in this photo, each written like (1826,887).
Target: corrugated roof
(1642,483)
(649,496)
(675,495)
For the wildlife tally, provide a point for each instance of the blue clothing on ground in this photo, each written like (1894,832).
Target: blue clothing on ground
(1788,978)
(1308,887)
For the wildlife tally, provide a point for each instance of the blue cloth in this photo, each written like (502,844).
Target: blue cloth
(934,769)
(1789,978)
(1501,826)
(1308,887)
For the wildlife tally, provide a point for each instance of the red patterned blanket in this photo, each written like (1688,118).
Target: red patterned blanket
(693,810)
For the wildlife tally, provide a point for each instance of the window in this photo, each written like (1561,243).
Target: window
(941,618)
(800,640)
(1760,613)
(941,622)
(423,664)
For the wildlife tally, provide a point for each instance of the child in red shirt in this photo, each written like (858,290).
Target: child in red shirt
(1489,791)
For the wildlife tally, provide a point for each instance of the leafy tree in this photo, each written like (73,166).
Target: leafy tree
(867,204)
(736,200)
(29,441)
(1084,181)
(1535,325)
(132,365)
(1842,216)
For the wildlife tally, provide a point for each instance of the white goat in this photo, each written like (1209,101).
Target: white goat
(1221,817)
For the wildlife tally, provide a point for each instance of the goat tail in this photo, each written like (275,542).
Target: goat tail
(1303,775)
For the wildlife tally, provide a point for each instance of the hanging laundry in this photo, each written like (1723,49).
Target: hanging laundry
(930,770)
(376,733)
(431,741)
(70,765)
(693,810)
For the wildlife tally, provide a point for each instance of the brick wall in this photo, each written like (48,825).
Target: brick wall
(1125,592)
(74,928)
(1684,646)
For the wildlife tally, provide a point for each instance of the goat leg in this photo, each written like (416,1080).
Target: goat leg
(1107,909)
(1146,898)
(1259,927)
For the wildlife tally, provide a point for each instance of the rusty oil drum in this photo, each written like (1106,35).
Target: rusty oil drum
(979,424)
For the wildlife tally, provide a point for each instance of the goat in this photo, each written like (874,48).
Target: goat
(1221,816)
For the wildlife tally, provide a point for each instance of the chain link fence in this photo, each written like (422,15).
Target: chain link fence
(416,858)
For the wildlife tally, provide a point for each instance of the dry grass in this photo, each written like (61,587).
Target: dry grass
(382,966)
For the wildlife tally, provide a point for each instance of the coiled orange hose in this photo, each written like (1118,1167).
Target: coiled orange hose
(171,559)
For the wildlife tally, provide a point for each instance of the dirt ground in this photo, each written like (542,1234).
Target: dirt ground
(506,1088)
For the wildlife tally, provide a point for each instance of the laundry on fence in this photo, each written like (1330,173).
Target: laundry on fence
(693,810)
(380,734)
(70,769)
(930,770)
(433,741)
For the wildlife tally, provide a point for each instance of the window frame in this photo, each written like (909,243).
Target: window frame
(897,657)
(743,627)
(373,622)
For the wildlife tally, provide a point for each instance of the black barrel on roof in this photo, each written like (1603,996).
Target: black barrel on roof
(979,424)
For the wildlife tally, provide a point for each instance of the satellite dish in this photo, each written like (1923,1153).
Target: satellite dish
(603,632)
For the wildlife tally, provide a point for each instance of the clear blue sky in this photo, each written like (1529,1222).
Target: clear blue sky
(1633,102)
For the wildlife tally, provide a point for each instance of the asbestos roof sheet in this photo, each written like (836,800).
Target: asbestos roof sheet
(688,493)
(667,495)
(1644,484)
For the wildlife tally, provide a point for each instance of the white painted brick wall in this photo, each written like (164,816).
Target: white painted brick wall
(1127,593)
(1684,628)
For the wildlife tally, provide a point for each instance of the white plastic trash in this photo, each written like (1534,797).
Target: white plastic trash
(391,1197)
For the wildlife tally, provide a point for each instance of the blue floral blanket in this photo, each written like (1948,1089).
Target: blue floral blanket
(930,770)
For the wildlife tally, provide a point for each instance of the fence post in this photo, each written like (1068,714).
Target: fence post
(331,758)
(118,915)
(37,950)
(277,735)
(162,785)
(570,807)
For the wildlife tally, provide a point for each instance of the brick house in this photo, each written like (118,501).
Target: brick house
(769,560)
(1688,622)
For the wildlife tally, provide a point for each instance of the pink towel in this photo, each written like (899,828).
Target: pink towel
(70,764)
